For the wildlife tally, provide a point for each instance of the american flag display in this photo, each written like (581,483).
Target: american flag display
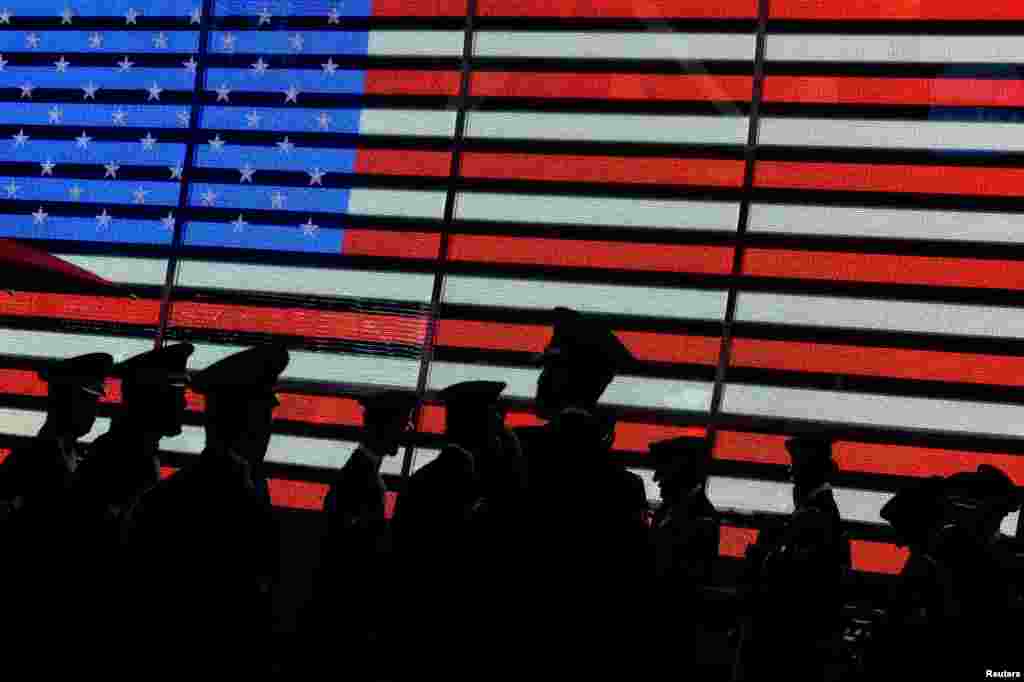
(792,211)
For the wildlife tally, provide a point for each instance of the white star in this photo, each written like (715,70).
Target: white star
(90,91)
(260,67)
(190,65)
(316,177)
(265,16)
(196,16)
(95,41)
(291,94)
(309,229)
(330,67)
(140,195)
(297,42)
(247,170)
(5,16)
(168,221)
(12,190)
(76,192)
(217,143)
(154,91)
(3,62)
(222,92)
(333,17)
(148,141)
(125,64)
(208,197)
(323,120)
(254,119)
(40,216)
(286,146)
(176,172)
(183,118)
(62,65)
(65,16)
(83,140)
(239,223)
(160,40)
(55,115)
(118,117)
(112,169)
(48,167)
(104,219)
(131,16)
(228,41)
(32,40)
(20,139)
(277,199)
(26,90)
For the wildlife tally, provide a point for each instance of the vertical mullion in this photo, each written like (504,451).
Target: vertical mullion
(188,165)
(454,173)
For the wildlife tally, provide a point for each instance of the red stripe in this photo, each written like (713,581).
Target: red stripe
(384,244)
(86,308)
(868,556)
(854,10)
(418,8)
(403,162)
(733,541)
(614,86)
(408,82)
(890,178)
(533,338)
(592,254)
(632,170)
(865,90)
(649,9)
(3,454)
(898,363)
(869,458)
(887,269)
(301,322)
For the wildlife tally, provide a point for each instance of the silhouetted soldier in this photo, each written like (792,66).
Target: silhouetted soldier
(35,486)
(800,598)
(355,553)
(207,530)
(587,514)
(122,464)
(685,540)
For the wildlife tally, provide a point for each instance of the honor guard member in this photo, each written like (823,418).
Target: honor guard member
(587,515)
(355,551)
(35,488)
(803,573)
(685,537)
(208,530)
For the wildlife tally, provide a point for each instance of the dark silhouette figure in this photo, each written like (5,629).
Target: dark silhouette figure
(800,574)
(586,518)
(35,493)
(685,536)
(207,530)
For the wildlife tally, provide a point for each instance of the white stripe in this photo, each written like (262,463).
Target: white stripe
(609,298)
(955,416)
(608,127)
(853,313)
(946,135)
(406,122)
(423,456)
(39,344)
(541,208)
(124,269)
(329,367)
(624,390)
(888,48)
(418,43)
(886,222)
(681,46)
(308,281)
(396,202)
